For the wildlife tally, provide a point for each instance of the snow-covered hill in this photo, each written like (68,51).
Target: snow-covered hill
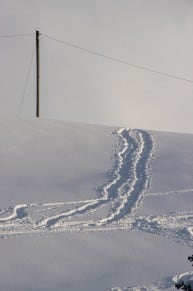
(90,208)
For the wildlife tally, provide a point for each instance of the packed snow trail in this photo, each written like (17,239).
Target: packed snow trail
(120,196)
(133,174)
(119,199)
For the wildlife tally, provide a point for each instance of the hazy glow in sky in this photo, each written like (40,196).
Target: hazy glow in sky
(81,87)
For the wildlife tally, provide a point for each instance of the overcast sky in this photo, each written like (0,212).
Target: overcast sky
(78,86)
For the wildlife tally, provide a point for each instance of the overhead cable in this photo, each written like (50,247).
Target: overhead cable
(15,35)
(117,60)
(26,81)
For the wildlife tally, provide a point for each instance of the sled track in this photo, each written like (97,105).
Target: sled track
(128,181)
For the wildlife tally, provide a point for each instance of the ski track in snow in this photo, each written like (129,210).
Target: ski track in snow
(128,181)
(184,191)
(115,207)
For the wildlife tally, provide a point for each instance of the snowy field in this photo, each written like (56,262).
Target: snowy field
(92,208)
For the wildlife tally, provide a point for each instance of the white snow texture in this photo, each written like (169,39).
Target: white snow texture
(94,207)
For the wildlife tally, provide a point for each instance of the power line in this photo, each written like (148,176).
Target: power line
(117,60)
(26,81)
(15,35)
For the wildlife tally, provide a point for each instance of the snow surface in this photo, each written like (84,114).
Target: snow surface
(91,208)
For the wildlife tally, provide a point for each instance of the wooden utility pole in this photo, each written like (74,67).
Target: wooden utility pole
(37,75)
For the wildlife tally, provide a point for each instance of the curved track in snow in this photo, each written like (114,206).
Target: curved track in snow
(117,202)
(118,199)
(132,174)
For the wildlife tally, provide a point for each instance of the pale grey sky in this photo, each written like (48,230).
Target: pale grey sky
(81,87)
